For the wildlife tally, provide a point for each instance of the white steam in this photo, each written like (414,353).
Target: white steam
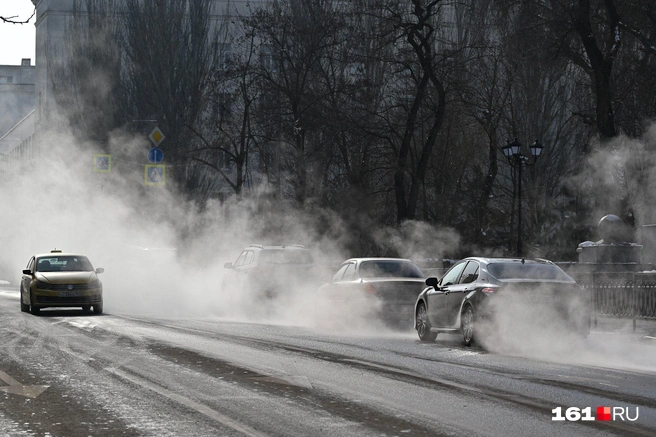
(164,256)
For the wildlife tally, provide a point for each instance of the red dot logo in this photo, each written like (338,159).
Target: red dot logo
(603,413)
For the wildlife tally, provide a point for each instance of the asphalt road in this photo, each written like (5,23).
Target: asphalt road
(66,373)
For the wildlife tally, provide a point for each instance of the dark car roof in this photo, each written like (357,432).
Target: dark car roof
(486,261)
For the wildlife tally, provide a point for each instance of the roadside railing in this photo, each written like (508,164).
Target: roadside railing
(627,294)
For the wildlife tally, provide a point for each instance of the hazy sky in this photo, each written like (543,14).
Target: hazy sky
(17,41)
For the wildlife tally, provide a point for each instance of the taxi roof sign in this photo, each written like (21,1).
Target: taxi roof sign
(156,136)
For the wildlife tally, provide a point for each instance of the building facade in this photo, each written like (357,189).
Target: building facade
(27,100)
(17,91)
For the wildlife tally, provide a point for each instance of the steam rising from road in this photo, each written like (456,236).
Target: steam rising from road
(164,256)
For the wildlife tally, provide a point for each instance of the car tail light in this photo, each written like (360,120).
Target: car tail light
(369,289)
(488,290)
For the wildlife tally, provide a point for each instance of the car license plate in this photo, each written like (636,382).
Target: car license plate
(69,294)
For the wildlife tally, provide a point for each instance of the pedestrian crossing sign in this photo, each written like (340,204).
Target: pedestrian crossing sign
(155,174)
(102,163)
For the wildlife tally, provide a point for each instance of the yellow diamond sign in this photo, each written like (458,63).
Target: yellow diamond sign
(156,136)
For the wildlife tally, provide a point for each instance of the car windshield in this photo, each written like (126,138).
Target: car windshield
(285,256)
(389,269)
(63,264)
(509,271)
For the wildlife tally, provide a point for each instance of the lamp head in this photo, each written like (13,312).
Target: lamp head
(507,149)
(536,149)
(516,147)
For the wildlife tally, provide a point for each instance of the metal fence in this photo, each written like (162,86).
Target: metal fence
(627,294)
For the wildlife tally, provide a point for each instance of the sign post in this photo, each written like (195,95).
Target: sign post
(155,172)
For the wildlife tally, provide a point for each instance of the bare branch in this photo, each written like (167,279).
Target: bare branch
(13,19)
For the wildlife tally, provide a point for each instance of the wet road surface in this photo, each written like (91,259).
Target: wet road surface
(66,373)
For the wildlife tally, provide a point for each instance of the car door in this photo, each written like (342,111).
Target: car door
(437,303)
(235,279)
(347,281)
(335,289)
(457,292)
(26,280)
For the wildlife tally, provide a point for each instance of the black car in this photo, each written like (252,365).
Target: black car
(481,295)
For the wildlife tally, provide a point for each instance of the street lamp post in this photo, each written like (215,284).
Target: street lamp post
(513,152)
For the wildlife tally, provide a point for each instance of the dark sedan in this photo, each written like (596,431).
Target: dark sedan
(492,296)
(383,288)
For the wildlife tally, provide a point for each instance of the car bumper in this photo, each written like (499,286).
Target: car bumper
(44,299)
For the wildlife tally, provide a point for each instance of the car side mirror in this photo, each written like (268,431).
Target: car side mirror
(27,272)
(432,282)
(100,270)
(227,266)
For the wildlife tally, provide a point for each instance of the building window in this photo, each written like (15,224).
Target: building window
(267,60)
(6,79)
(225,161)
(224,55)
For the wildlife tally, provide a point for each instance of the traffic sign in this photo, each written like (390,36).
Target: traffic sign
(155,175)
(102,163)
(155,155)
(156,136)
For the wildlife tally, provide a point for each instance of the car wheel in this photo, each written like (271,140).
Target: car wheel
(423,327)
(24,307)
(467,325)
(34,309)
(98,308)
(86,308)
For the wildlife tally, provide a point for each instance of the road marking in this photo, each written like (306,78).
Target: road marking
(203,409)
(82,324)
(15,387)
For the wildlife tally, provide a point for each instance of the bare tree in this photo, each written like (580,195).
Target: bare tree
(229,139)
(593,35)
(86,76)
(169,60)
(295,36)
(415,25)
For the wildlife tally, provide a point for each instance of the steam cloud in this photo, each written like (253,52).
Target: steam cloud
(162,255)
(61,203)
